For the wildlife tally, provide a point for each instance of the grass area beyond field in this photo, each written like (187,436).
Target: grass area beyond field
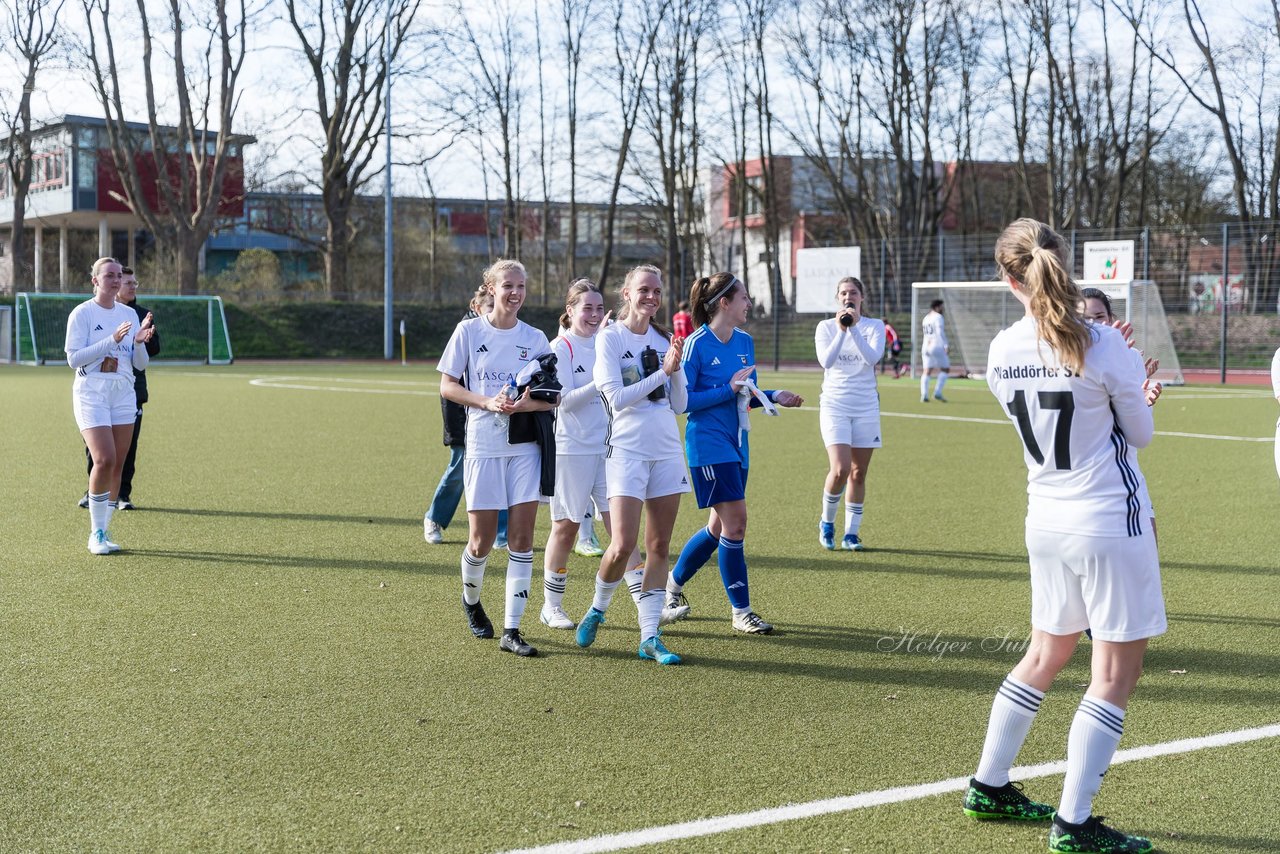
(279,662)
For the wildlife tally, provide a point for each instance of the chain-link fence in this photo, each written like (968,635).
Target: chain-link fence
(1219,284)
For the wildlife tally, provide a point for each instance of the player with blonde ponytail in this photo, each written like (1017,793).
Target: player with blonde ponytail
(1074,390)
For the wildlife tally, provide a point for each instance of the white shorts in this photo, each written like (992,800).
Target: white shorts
(935,359)
(1110,585)
(857,431)
(646,479)
(497,483)
(580,482)
(103,402)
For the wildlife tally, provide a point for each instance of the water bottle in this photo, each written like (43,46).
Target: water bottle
(503,418)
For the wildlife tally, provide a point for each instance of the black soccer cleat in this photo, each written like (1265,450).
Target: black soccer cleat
(985,802)
(478,620)
(513,642)
(1091,836)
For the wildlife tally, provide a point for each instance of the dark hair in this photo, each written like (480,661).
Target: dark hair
(625,308)
(936,304)
(707,292)
(1035,256)
(683,305)
(1094,293)
(577,288)
(128,271)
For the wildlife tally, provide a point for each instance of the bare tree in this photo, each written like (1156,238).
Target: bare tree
(31,32)
(174,177)
(636,28)
(578,16)
(1231,83)
(350,48)
(492,70)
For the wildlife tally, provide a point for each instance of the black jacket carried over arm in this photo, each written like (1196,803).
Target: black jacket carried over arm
(153,350)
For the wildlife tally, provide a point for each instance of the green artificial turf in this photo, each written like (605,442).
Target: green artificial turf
(279,662)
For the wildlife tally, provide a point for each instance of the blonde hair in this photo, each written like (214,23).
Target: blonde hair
(1034,255)
(100,263)
(493,275)
(577,288)
(706,294)
(633,274)
(482,300)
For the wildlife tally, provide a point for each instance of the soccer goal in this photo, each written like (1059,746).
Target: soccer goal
(976,311)
(193,330)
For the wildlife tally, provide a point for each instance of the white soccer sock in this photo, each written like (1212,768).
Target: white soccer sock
(852,518)
(586,528)
(1095,733)
(649,609)
(111,511)
(604,593)
(519,577)
(830,503)
(1012,712)
(634,579)
(924,386)
(472,576)
(99,512)
(673,589)
(937,388)
(553,583)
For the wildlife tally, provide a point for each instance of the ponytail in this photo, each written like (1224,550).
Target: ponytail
(1033,255)
(577,288)
(706,294)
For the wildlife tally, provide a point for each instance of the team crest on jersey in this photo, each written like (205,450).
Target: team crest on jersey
(524,353)
(743,357)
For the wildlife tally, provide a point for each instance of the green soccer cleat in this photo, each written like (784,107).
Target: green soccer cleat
(1091,836)
(985,802)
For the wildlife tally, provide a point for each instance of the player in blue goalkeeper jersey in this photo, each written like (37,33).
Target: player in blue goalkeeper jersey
(719,364)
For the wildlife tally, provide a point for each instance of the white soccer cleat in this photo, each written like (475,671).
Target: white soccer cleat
(114,547)
(676,608)
(431,532)
(556,618)
(751,623)
(99,544)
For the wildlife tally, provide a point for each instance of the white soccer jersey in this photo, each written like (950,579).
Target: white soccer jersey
(90,327)
(488,359)
(581,422)
(639,428)
(849,360)
(1079,433)
(934,327)
(1275,374)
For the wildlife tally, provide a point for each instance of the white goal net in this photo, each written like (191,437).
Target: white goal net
(193,329)
(976,311)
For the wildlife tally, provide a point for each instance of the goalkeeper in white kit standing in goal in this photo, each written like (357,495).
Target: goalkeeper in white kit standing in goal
(934,352)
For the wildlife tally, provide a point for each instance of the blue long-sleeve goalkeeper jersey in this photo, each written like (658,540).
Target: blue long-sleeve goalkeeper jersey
(711,434)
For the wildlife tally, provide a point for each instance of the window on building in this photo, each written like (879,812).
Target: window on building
(86,169)
(753,203)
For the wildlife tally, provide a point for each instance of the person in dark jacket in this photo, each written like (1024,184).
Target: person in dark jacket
(449,491)
(128,295)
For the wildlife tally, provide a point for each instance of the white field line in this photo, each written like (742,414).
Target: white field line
(793,812)
(428,390)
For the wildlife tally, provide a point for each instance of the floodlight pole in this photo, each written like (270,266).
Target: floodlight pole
(388,238)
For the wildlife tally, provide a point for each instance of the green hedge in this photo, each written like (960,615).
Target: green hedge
(350,330)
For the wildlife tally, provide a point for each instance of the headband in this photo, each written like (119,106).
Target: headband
(733,280)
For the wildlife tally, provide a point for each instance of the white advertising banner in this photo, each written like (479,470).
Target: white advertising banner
(1108,261)
(818,270)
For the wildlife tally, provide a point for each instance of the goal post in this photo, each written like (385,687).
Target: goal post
(193,329)
(976,311)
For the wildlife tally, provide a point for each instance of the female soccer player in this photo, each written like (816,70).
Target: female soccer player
(1074,390)
(1275,390)
(477,369)
(100,347)
(934,352)
(849,345)
(638,374)
(581,428)
(718,360)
